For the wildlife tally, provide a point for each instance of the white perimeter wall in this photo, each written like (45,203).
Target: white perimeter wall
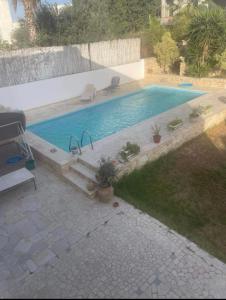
(43,92)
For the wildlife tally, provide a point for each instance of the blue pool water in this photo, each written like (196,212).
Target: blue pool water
(104,119)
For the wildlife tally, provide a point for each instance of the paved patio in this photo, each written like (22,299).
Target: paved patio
(55,243)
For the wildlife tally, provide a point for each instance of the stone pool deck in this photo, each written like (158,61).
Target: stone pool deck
(57,243)
(141,133)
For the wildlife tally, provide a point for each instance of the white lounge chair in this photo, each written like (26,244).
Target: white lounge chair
(89,93)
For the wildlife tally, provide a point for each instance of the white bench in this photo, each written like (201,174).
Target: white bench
(15,178)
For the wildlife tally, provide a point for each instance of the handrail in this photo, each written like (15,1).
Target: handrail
(90,138)
(70,144)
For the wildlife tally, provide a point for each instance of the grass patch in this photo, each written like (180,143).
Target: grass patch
(186,190)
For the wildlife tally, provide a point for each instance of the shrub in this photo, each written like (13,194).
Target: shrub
(21,36)
(166,51)
(151,36)
(175,123)
(206,37)
(106,173)
(129,150)
(221,60)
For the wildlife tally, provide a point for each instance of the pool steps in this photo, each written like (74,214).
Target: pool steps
(79,174)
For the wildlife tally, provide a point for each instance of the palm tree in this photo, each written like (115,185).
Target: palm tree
(29,7)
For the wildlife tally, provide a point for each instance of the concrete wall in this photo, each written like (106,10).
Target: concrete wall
(43,92)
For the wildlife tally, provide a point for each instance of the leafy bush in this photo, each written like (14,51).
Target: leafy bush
(206,37)
(221,60)
(197,70)
(175,123)
(129,150)
(106,173)
(156,129)
(151,36)
(166,51)
(21,36)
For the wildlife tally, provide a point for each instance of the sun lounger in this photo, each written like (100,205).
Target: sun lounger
(114,84)
(89,93)
(15,178)
(14,118)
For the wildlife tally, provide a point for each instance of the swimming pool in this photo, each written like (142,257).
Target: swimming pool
(109,117)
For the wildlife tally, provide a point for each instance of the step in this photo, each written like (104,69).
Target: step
(87,164)
(80,182)
(84,171)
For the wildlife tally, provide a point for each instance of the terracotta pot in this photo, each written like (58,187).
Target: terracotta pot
(105,194)
(90,186)
(157,138)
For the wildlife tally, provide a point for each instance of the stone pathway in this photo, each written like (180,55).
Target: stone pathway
(56,243)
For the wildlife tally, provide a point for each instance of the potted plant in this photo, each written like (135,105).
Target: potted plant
(196,112)
(175,124)
(129,151)
(156,134)
(106,175)
(205,109)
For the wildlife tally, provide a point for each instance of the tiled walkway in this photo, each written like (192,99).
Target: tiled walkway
(56,243)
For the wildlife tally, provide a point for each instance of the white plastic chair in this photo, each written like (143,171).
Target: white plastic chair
(89,93)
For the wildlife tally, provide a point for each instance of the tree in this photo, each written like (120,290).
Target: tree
(206,35)
(181,22)
(221,60)
(29,7)
(151,36)
(21,36)
(166,51)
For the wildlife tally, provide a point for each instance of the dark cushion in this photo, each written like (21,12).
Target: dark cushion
(11,131)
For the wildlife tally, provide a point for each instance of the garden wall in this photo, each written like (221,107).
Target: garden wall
(39,93)
(154,71)
(34,64)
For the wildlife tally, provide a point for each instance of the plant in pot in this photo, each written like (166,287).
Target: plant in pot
(128,151)
(156,134)
(205,109)
(196,112)
(106,175)
(174,124)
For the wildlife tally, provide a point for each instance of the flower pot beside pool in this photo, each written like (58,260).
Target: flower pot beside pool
(105,176)
(157,138)
(175,124)
(156,134)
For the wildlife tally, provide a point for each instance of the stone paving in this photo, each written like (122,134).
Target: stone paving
(56,243)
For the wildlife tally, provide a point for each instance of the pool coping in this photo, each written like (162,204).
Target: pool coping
(61,160)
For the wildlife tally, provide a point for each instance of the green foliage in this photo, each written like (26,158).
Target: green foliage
(180,24)
(106,173)
(129,150)
(197,70)
(21,36)
(91,20)
(206,37)
(156,129)
(184,191)
(166,51)
(221,60)
(175,124)
(5,46)
(151,36)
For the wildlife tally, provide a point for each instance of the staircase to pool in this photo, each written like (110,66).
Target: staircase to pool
(80,173)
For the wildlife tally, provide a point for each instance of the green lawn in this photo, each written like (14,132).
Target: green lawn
(186,190)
